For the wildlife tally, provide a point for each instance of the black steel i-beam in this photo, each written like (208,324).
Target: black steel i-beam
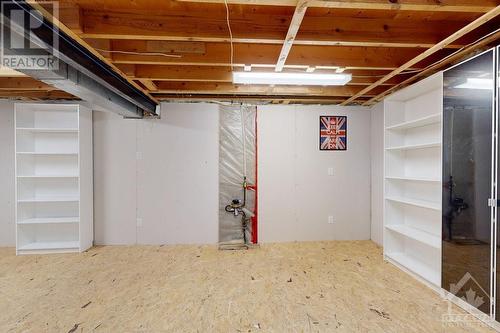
(80,72)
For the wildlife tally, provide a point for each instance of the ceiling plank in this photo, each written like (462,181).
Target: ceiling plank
(23,83)
(218,54)
(298,15)
(269,29)
(224,74)
(471,26)
(459,56)
(36,95)
(149,84)
(423,5)
(165,87)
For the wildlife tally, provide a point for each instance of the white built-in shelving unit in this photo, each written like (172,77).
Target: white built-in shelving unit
(412,184)
(54,195)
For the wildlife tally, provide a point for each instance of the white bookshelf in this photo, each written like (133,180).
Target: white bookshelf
(412,178)
(54,196)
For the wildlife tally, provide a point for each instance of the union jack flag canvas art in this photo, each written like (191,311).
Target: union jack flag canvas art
(333,133)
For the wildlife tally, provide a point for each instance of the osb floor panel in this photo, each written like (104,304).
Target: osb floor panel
(290,287)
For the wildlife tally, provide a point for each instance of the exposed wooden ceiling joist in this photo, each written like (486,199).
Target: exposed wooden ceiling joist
(367,38)
(224,74)
(432,69)
(412,5)
(248,27)
(471,26)
(165,87)
(218,54)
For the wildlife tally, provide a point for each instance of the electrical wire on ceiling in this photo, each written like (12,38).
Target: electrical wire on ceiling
(230,34)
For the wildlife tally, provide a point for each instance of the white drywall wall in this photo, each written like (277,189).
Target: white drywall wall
(165,173)
(296,194)
(7,175)
(377,173)
(156,181)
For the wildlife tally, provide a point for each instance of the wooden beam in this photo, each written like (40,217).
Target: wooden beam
(217,54)
(149,84)
(254,98)
(459,56)
(471,26)
(23,83)
(229,88)
(249,27)
(224,74)
(36,95)
(8,72)
(298,15)
(72,15)
(476,6)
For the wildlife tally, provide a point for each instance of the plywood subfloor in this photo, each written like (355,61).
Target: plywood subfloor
(290,287)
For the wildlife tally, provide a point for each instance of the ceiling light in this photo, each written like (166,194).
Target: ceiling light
(306,79)
(473,83)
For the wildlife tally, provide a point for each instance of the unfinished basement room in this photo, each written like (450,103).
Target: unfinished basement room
(225,166)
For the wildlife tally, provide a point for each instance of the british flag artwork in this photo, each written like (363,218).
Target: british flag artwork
(333,133)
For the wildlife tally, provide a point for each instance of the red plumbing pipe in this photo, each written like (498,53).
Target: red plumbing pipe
(255,188)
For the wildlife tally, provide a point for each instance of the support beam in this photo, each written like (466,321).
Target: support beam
(229,88)
(266,54)
(30,95)
(298,15)
(459,56)
(149,84)
(83,62)
(476,6)
(471,26)
(25,83)
(224,74)
(249,27)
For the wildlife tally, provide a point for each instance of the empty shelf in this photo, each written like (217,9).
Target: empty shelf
(44,153)
(416,202)
(416,146)
(428,120)
(50,199)
(47,176)
(416,234)
(50,246)
(416,267)
(48,130)
(416,179)
(49,220)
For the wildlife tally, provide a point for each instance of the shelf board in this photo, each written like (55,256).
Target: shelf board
(48,130)
(415,179)
(50,246)
(415,266)
(417,146)
(47,176)
(44,153)
(53,199)
(415,202)
(424,121)
(416,234)
(50,220)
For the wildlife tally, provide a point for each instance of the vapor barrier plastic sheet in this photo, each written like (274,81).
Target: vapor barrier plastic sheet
(236,160)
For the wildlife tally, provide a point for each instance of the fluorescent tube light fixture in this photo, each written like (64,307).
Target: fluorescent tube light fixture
(305,79)
(476,83)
